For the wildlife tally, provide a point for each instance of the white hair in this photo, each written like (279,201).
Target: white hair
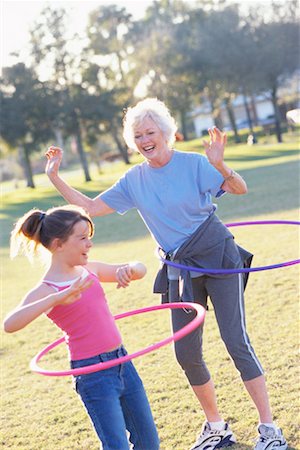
(149,108)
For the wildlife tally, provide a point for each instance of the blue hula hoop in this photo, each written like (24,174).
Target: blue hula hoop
(240,270)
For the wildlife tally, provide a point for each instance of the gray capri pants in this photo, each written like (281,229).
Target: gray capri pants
(227,295)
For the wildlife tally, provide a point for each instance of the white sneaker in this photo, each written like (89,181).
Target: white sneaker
(270,439)
(212,439)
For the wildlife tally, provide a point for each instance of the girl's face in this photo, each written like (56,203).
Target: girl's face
(76,248)
(151,143)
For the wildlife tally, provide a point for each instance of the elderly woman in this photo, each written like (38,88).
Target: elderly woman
(172,191)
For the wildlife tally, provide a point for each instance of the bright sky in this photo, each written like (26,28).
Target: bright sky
(18,16)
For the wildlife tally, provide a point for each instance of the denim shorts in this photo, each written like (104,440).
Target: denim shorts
(117,404)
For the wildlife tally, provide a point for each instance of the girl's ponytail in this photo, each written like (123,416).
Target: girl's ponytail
(26,235)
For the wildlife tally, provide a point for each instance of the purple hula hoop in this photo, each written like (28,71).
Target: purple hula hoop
(198,319)
(241,270)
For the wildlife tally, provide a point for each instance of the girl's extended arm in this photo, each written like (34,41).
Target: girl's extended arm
(123,274)
(95,207)
(39,300)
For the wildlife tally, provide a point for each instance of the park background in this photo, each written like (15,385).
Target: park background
(71,89)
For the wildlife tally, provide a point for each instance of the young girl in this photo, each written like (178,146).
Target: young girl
(72,297)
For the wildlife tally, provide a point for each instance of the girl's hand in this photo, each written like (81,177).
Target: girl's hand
(215,148)
(135,270)
(54,156)
(37,303)
(73,292)
(124,275)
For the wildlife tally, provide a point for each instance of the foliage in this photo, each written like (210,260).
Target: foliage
(23,97)
(185,53)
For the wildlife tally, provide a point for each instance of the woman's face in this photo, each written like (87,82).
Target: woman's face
(151,143)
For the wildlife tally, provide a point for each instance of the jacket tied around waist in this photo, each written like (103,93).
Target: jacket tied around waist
(211,246)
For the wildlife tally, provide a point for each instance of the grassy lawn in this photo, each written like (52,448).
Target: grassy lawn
(44,413)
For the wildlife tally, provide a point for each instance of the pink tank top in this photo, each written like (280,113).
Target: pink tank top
(88,324)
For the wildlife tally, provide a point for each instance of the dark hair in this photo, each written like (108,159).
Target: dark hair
(37,227)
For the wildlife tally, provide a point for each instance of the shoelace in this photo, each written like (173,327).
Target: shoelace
(267,438)
(205,431)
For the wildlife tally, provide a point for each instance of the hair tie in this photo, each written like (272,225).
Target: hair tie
(42,216)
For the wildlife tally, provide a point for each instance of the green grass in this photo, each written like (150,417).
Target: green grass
(44,413)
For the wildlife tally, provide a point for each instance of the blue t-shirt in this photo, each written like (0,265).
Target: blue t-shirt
(172,200)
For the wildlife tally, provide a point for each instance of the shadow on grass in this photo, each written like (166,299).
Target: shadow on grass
(260,154)
(270,189)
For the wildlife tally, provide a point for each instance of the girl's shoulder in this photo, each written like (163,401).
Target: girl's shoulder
(57,282)
(39,291)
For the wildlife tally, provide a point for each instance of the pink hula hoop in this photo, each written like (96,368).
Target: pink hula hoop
(200,315)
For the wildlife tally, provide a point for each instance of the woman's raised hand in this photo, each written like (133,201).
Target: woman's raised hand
(54,156)
(215,148)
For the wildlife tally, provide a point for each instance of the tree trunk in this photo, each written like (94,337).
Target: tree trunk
(60,143)
(231,116)
(121,148)
(26,164)
(249,118)
(216,112)
(59,137)
(277,114)
(183,124)
(254,111)
(218,119)
(82,154)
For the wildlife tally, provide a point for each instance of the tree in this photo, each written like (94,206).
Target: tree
(108,26)
(277,42)
(25,122)
(49,48)
(110,79)
(156,60)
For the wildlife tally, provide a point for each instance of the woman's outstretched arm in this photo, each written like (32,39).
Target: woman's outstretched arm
(95,207)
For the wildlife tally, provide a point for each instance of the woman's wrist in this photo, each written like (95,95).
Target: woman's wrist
(230,177)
